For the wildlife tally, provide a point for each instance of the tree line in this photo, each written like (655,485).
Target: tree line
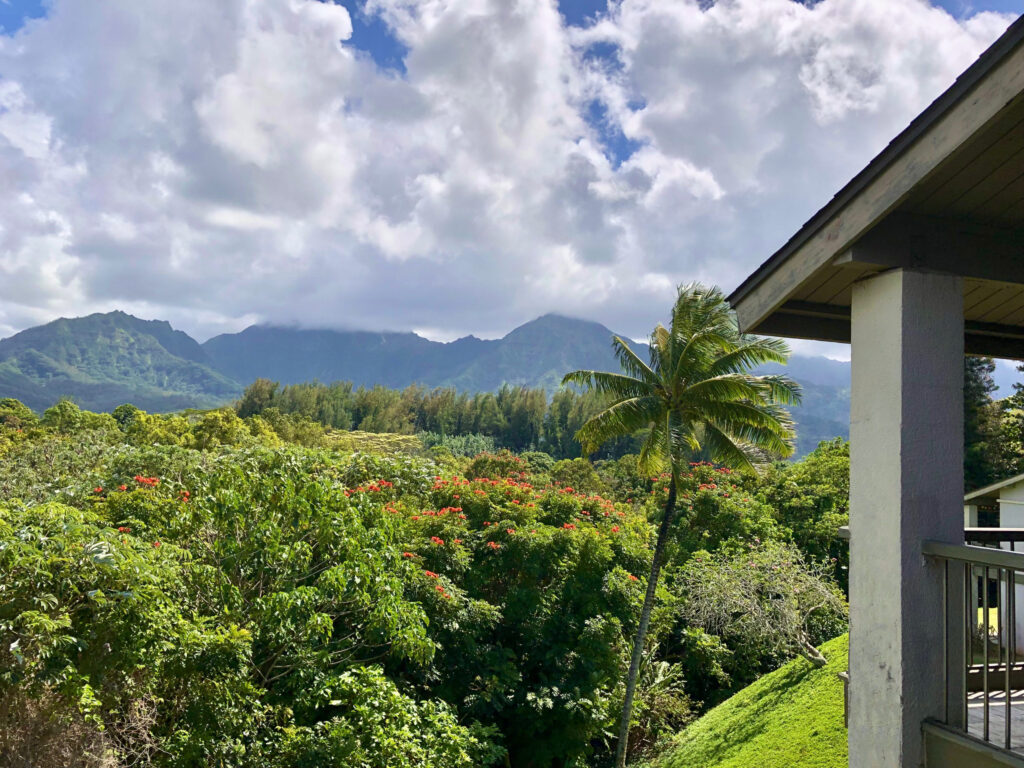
(517,418)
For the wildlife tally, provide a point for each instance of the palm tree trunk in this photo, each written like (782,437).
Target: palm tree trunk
(645,619)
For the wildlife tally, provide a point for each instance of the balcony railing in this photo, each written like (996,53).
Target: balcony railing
(984,579)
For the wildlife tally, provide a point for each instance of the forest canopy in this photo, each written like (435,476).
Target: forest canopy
(210,588)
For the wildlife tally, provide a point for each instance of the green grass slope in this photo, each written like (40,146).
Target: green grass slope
(791,718)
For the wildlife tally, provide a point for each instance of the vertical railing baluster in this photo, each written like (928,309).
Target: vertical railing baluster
(1012,647)
(1004,644)
(969,651)
(1011,650)
(984,654)
(946,610)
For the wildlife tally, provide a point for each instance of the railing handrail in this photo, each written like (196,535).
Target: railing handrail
(971,534)
(994,534)
(967,553)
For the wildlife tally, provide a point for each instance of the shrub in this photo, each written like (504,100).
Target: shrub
(504,463)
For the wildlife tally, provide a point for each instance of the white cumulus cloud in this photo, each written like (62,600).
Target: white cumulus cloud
(217,164)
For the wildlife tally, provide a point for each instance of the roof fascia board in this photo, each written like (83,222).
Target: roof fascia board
(988,489)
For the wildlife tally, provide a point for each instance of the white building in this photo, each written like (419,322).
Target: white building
(1000,505)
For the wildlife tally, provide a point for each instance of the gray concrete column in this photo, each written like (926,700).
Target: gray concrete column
(906,486)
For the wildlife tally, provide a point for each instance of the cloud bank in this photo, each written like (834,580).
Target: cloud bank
(218,164)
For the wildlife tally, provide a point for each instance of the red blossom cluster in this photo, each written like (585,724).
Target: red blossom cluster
(375,486)
(124,529)
(97,489)
(438,541)
(150,481)
(122,487)
(408,554)
(494,544)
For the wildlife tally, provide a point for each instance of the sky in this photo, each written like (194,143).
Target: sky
(446,166)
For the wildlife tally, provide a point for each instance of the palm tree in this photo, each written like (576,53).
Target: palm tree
(697,400)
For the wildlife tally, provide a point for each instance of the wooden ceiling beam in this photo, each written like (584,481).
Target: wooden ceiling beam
(966,248)
(829,322)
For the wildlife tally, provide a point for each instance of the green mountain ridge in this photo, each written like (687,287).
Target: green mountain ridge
(103,360)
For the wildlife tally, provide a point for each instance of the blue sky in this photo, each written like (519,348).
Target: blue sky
(372,36)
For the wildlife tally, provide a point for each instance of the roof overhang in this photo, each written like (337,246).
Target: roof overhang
(992,491)
(946,195)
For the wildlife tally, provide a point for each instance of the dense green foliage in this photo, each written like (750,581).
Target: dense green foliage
(203,589)
(791,717)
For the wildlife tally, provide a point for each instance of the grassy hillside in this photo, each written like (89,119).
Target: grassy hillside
(791,718)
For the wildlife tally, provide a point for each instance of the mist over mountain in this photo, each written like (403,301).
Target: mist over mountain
(104,360)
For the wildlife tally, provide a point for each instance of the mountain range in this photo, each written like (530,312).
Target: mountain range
(103,360)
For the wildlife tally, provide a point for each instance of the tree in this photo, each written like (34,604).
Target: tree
(16,415)
(698,401)
(811,498)
(765,596)
(981,423)
(257,397)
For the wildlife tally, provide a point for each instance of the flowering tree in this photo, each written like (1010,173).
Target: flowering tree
(697,400)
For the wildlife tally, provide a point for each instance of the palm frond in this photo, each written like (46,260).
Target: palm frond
(729,387)
(616,385)
(725,449)
(619,420)
(779,388)
(750,354)
(655,451)
(631,362)
(771,432)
